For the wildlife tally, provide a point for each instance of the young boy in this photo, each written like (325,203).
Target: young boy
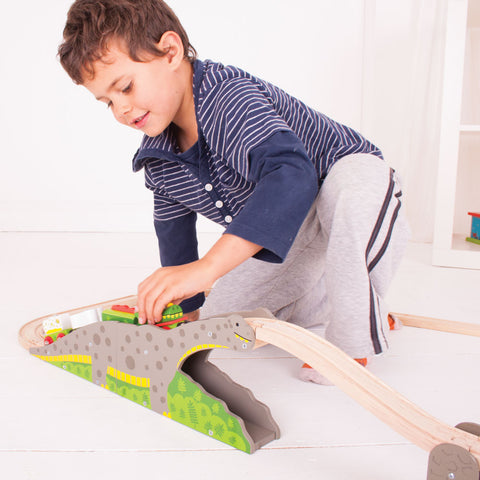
(312,214)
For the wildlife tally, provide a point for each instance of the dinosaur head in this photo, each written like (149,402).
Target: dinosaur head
(244,334)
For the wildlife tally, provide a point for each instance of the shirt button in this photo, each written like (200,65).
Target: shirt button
(208,187)
(228,219)
(219,204)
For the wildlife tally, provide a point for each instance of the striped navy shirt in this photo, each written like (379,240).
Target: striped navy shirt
(260,158)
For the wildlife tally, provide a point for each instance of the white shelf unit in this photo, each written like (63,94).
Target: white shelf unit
(458,182)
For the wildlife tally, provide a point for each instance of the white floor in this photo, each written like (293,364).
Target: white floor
(54,425)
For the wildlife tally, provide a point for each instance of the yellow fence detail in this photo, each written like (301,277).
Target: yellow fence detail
(131,379)
(197,348)
(66,358)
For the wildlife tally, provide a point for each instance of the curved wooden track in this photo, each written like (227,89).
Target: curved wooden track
(384,402)
(391,407)
(31,334)
(448,326)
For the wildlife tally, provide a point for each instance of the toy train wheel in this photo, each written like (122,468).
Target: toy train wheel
(60,335)
(48,340)
(171,324)
(166,327)
(169,327)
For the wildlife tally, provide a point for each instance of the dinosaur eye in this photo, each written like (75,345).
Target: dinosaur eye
(237,324)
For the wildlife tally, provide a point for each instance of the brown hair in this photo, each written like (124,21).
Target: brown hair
(92,24)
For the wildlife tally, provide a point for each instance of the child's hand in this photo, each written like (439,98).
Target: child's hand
(174,284)
(170,284)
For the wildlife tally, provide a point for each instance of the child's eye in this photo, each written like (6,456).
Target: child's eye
(128,88)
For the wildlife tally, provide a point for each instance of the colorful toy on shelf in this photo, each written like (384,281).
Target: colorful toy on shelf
(172,316)
(475,232)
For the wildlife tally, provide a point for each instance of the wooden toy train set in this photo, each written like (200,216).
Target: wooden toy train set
(165,367)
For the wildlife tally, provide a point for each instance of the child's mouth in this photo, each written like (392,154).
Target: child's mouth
(141,121)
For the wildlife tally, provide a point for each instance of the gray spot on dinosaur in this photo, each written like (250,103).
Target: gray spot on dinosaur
(130,362)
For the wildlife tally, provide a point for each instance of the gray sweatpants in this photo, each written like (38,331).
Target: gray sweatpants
(340,265)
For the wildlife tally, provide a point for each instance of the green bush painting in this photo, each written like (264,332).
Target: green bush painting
(189,405)
(83,370)
(140,395)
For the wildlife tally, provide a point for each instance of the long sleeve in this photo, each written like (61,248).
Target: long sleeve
(177,241)
(286,186)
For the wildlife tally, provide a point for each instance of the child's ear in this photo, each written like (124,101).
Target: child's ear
(172,45)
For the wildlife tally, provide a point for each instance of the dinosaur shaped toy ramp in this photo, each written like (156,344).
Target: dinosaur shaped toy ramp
(168,371)
(454,451)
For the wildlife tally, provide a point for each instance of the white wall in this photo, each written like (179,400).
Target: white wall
(66,164)
(404,96)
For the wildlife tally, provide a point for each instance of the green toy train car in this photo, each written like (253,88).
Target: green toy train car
(172,316)
(58,326)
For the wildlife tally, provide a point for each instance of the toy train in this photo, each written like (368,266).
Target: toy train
(58,326)
(53,335)
(171,316)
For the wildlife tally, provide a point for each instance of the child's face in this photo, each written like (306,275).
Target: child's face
(147,96)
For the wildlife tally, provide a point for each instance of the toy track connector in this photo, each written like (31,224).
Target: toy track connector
(448,461)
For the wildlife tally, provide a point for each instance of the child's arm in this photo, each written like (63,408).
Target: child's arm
(173,284)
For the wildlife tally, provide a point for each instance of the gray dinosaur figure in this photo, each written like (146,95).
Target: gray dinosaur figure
(147,352)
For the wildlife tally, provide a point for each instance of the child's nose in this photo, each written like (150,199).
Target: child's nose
(121,113)
(125,110)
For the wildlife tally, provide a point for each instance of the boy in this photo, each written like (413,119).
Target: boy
(312,217)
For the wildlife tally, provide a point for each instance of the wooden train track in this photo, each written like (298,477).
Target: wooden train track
(391,407)
(365,388)
(31,334)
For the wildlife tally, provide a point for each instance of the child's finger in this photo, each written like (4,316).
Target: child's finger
(150,300)
(158,309)
(161,304)
(146,298)
(142,290)
(141,294)
(140,308)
